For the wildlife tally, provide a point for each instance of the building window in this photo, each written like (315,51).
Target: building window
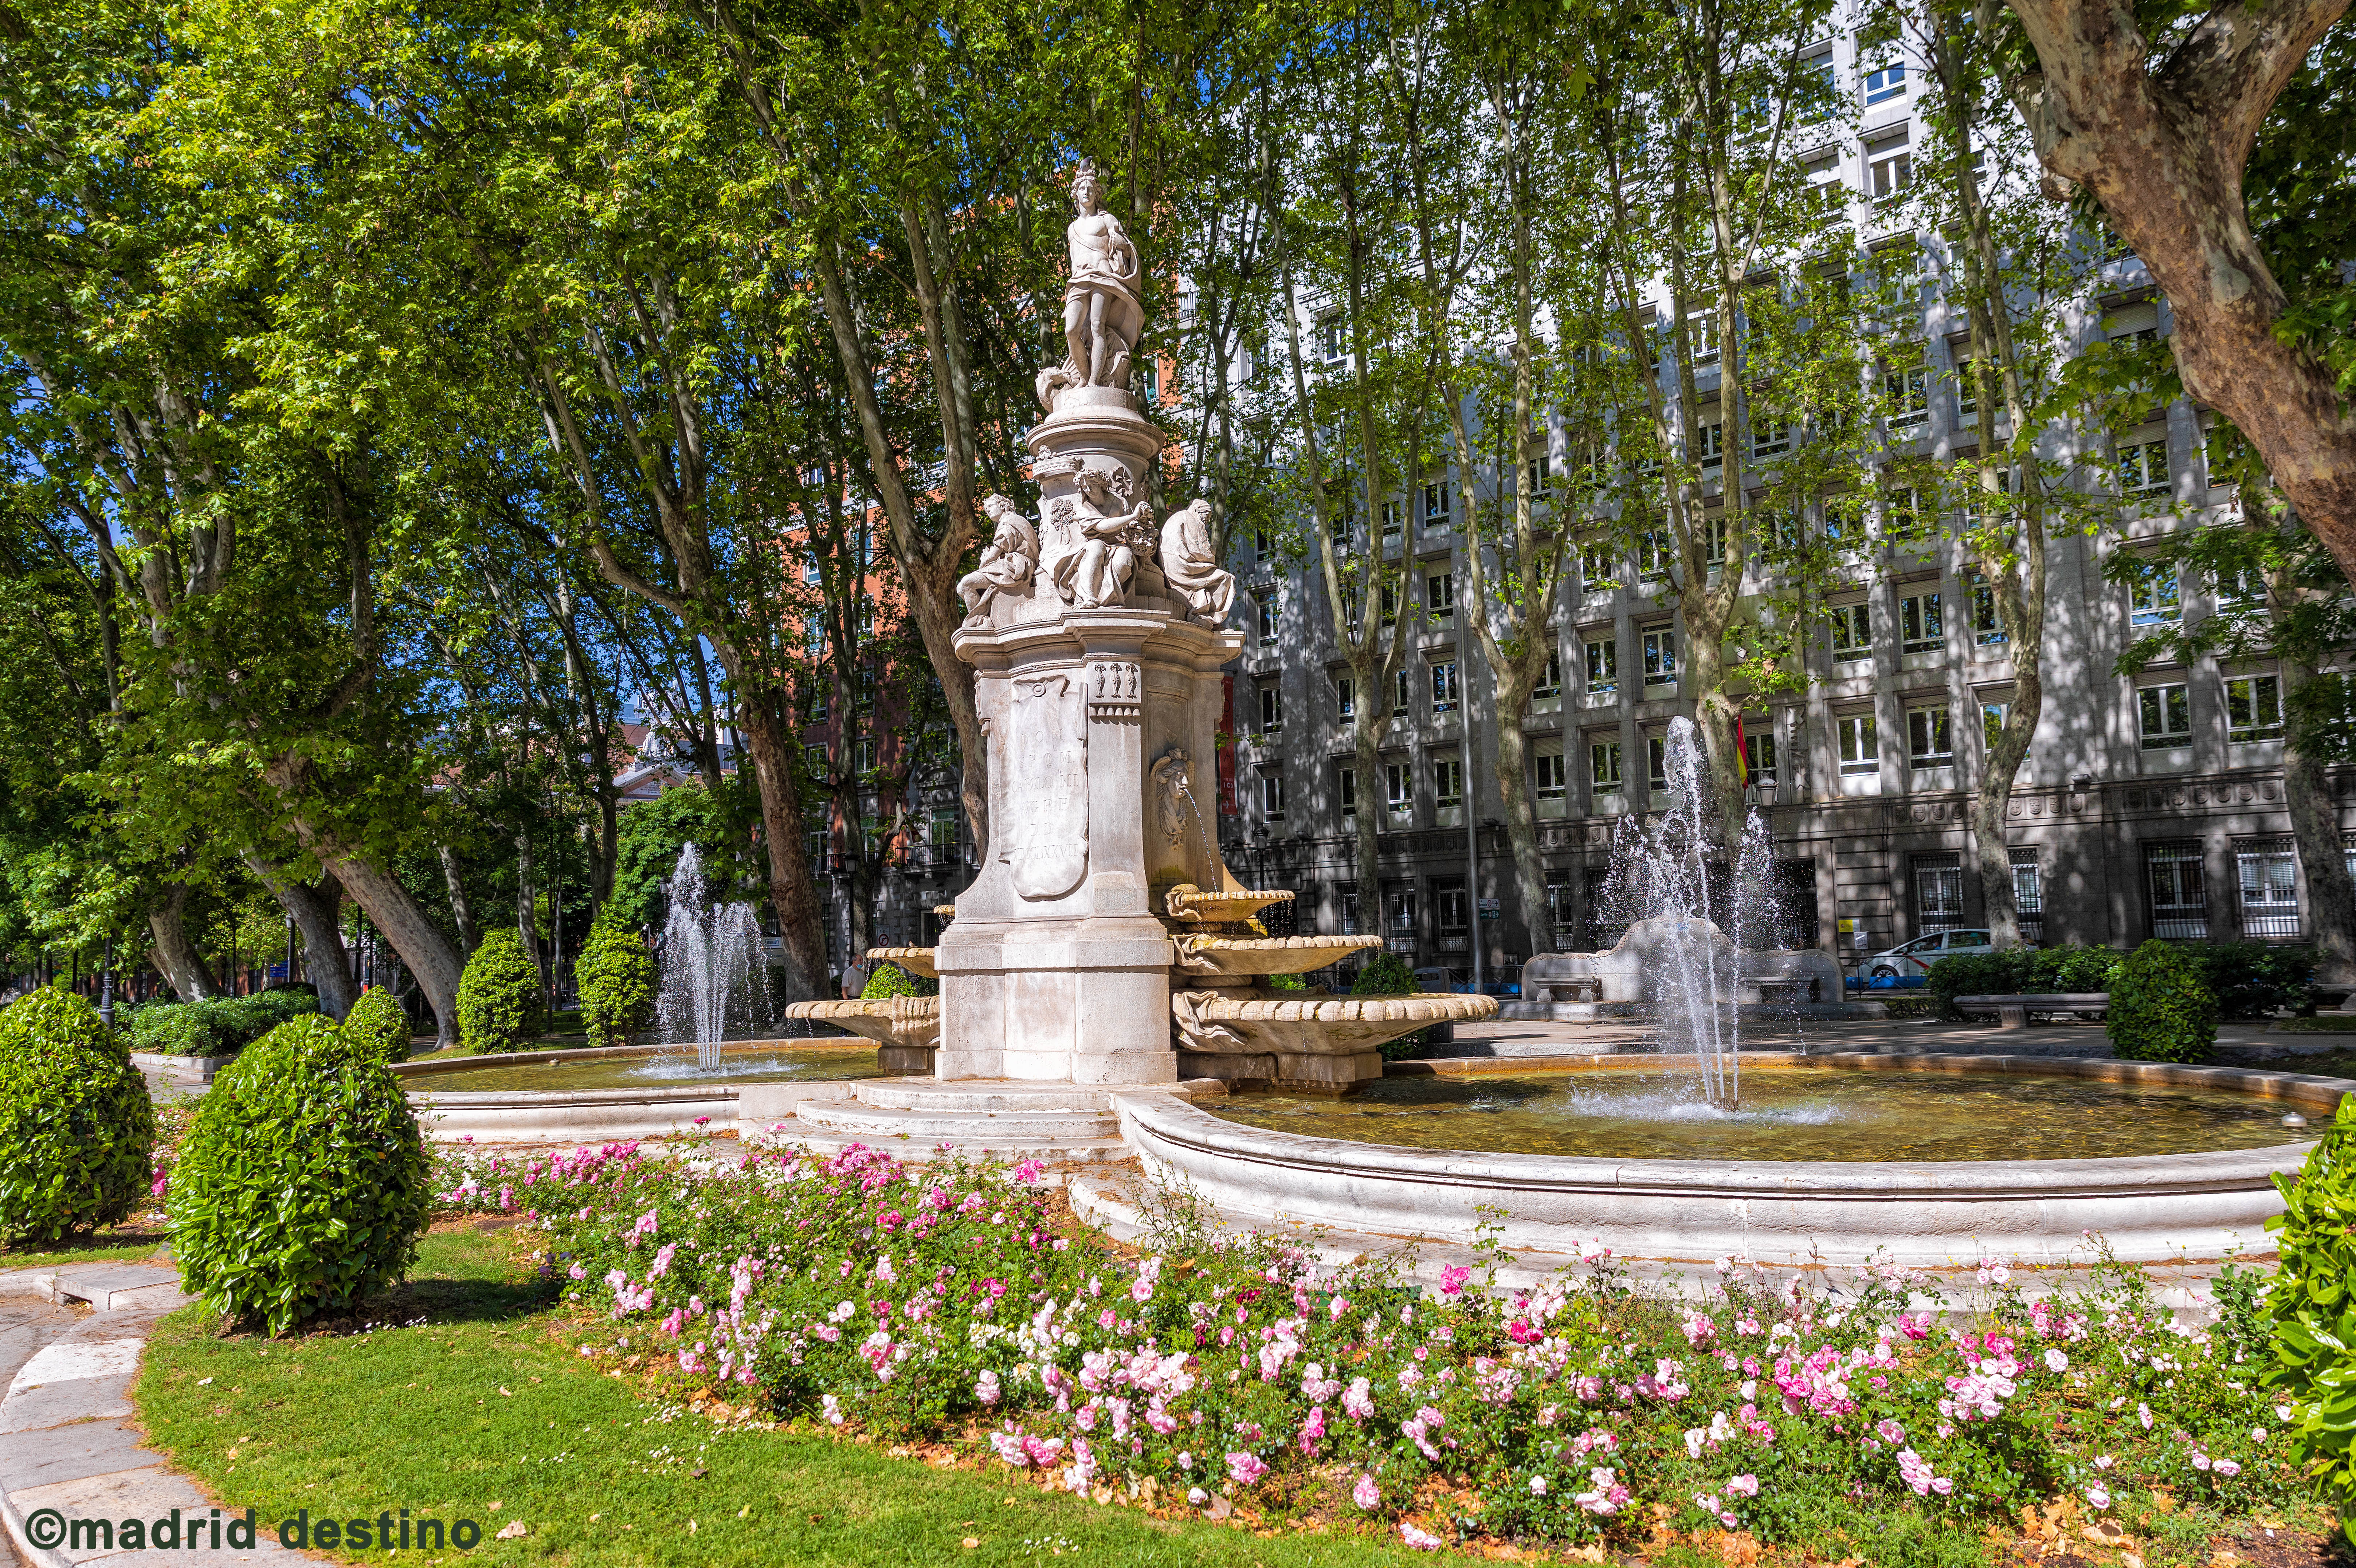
(1603,667)
(1272,796)
(1264,608)
(1907,389)
(1401,936)
(1436,504)
(1399,694)
(862,756)
(1439,595)
(1771,433)
(2269,877)
(1392,519)
(2155,595)
(1656,762)
(1759,756)
(1558,907)
(1861,744)
(1885,83)
(2240,589)
(1390,602)
(941,837)
(1345,697)
(1918,629)
(2029,895)
(1346,782)
(1446,687)
(1992,718)
(1713,454)
(1701,332)
(1263,547)
(1852,631)
(1454,911)
(1653,553)
(2165,713)
(1660,656)
(1596,572)
(1889,169)
(1930,740)
(1271,709)
(1603,766)
(1350,913)
(1987,624)
(1553,779)
(1448,783)
(2143,467)
(2180,909)
(1399,789)
(1938,891)
(1551,681)
(1713,539)
(2254,707)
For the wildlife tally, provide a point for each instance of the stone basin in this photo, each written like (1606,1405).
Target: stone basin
(1229,907)
(1239,957)
(1317,1045)
(915,960)
(907,1030)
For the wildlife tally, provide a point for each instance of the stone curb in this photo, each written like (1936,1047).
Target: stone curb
(67,1443)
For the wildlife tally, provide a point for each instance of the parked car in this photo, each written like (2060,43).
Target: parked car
(1913,960)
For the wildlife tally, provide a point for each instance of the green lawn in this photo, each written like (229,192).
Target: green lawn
(129,1244)
(480,1410)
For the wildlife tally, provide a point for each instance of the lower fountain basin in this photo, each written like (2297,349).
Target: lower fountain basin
(623,1091)
(906,1029)
(2212,1189)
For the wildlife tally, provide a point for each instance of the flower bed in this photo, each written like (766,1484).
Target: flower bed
(950,1302)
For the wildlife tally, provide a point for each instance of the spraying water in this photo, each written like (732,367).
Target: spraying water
(1670,877)
(713,977)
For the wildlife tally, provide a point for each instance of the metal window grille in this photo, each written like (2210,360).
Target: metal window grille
(2179,902)
(1558,912)
(2269,888)
(2028,894)
(1455,924)
(1400,937)
(1938,893)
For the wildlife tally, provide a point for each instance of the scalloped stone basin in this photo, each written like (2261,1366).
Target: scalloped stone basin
(2190,1203)
(621,1092)
(1240,957)
(915,960)
(1317,1045)
(907,1030)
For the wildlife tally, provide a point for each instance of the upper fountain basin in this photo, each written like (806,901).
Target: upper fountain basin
(1239,957)
(915,960)
(1187,901)
(887,1020)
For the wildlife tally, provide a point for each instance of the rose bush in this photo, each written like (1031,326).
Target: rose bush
(944,1301)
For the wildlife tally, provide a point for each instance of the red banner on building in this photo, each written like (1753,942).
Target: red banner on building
(1227,806)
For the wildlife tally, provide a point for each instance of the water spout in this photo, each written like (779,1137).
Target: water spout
(714,974)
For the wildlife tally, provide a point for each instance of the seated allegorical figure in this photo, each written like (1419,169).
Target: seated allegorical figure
(1008,561)
(1098,571)
(1194,572)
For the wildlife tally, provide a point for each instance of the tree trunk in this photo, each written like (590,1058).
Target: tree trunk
(462,912)
(176,956)
(793,893)
(1521,820)
(313,910)
(419,943)
(1366,738)
(2322,849)
(527,904)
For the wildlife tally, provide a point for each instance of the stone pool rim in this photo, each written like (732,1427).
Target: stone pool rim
(588,1115)
(2149,1208)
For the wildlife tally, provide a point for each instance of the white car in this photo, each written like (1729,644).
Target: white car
(1909,960)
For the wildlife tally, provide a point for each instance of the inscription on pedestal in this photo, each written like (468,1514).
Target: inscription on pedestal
(1044,841)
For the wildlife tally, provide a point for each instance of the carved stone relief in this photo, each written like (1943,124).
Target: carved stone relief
(1045,837)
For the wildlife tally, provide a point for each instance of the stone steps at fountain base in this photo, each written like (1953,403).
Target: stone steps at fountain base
(961,1097)
(913,1117)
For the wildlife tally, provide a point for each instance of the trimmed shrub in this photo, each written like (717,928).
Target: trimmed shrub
(2020,969)
(499,1004)
(304,1184)
(1386,975)
(2312,1303)
(2256,979)
(891,980)
(77,1128)
(378,1027)
(218,1027)
(2160,1007)
(616,976)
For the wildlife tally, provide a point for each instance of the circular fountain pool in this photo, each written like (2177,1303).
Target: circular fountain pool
(1921,1160)
(1784,1113)
(626,1092)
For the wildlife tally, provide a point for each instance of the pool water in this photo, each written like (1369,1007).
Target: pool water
(760,1065)
(1785,1114)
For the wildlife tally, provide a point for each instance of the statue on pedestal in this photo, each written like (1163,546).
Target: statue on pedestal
(1102,312)
(1193,570)
(1095,570)
(1008,561)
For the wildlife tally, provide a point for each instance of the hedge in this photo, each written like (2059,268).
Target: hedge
(216,1028)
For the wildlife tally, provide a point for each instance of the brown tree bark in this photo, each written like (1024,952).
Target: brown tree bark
(313,910)
(423,948)
(2163,149)
(462,909)
(175,956)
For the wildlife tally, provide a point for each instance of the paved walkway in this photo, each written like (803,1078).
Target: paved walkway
(1512,1037)
(70,1339)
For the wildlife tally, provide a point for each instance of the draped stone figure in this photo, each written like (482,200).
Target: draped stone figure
(1008,561)
(1102,310)
(1194,572)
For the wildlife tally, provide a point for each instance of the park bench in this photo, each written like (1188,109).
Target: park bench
(2012,1011)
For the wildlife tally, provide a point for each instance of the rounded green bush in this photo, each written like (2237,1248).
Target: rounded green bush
(616,976)
(77,1128)
(304,1184)
(2161,1006)
(378,1027)
(499,1003)
(2312,1303)
(891,980)
(1386,975)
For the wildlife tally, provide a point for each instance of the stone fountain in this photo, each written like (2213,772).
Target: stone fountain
(1104,945)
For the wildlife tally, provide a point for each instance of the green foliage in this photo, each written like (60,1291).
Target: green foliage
(2161,1009)
(2256,979)
(617,977)
(76,1125)
(2020,969)
(304,1184)
(215,1027)
(2312,1304)
(1386,975)
(500,1002)
(891,980)
(377,1028)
